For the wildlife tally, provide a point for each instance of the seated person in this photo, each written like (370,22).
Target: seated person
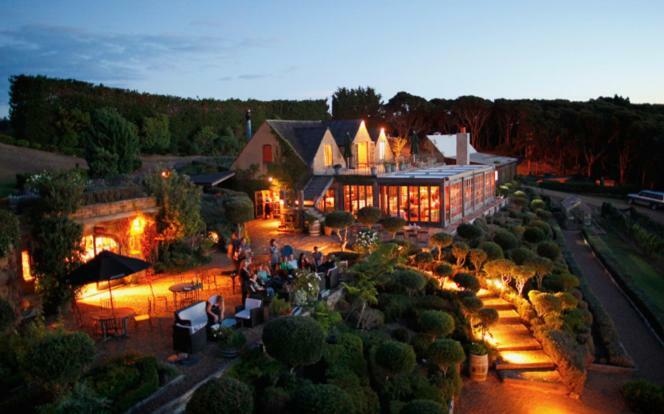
(292,263)
(263,273)
(257,288)
(215,309)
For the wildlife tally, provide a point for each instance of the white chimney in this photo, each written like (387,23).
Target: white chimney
(462,144)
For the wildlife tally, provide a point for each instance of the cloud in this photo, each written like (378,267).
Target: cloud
(69,52)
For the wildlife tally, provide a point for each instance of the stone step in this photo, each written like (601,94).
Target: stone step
(508,316)
(515,328)
(483,293)
(509,340)
(542,380)
(497,303)
(524,360)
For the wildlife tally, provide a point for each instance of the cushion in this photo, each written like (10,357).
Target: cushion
(243,314)
(252,303)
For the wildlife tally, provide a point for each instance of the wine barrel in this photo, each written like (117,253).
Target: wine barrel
(479,367)
(314,228)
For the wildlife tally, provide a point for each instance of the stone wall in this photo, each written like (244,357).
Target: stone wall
(115,209)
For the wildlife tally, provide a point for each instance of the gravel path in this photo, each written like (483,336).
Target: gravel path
(640,342)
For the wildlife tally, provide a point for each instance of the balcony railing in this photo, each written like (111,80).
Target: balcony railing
(404,164)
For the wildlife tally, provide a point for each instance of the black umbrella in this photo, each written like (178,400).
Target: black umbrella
(414,144)
(106,266)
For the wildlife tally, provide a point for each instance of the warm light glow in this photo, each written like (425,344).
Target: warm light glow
(136,228)
(137,225)
(165,174)
(213,236)
(269,179)
(92,245)
(25,266)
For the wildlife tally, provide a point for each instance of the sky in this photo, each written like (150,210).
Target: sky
(285,49)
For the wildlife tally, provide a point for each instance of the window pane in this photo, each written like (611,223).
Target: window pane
(403,203)
(369,191)
(414,208)
(346,198)
(435,204)
(362,197)
(393,192)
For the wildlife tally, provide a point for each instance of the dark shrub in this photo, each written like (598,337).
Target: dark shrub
(543,214)
(561,282)
(339,219)
(394,357)
(644,397)
(273,400)
(395,306)
(7,315)
(533,234)
(294,340)
(443,270)
(321,399)
(520,255)
(401,334)
(493,250)
(57,360)
(505,239)
(469,231)
(409,280)
(548,249)
(363,398)
(368,215)
(423,259)
(537,203)
(423,407)
(445,353)
(472,303)
(224,395)
(392,224)
(433,302)
(436,323)
(467,281)
(9,231)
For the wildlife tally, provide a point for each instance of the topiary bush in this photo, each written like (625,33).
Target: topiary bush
(467,282)
(548,249)
(321,399)
(471,303)
(423,259)
(443,270)
(224,395)
(440,241)
(505,239)
(537,203)
(294,340)
(478,257)
(520,255)
(409,280)
(368,215)
(392,224)
(469,231)
(644,397)
(533,234)
(436,323)
(460,251)
(423,407)
(445,353)
(493,250)
(394,357)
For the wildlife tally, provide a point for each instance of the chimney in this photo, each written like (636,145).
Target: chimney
(462,143)
(247,117)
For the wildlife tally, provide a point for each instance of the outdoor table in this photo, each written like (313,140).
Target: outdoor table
(109,319)
(183,288)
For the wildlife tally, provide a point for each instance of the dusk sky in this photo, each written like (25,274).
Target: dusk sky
(306,49)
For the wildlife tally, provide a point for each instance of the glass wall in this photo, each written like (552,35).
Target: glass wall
(357,197)
(478,190)
(455,200)
(415,204)
(326,203)
(467,195)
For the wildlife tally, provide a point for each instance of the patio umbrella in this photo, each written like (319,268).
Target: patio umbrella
(106,266)
(414,144)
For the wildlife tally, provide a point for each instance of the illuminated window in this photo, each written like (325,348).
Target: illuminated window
(25,266)
(93,245)
(136,228)
(381,150)
(327,152)
(362,154)
(267,153)
(357,197)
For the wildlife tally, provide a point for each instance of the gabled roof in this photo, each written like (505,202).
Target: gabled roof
(303,136)
(341,127)
(316,187)
(211,179)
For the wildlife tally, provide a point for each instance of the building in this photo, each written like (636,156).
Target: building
(350,166)
(444,146)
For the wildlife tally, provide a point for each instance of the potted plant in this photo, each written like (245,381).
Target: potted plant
(231,342)
(479,361)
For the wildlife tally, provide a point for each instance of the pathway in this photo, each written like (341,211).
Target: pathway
(640,342)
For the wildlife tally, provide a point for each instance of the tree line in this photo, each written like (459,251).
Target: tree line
(58,113)
(607,137)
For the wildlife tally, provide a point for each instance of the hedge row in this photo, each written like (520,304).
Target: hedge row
(582,187)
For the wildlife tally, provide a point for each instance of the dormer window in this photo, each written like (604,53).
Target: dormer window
(381,150)
(327,153)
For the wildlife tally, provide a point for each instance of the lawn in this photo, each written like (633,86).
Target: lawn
(642,275)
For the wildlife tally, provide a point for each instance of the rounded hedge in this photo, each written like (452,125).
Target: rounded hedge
(467,281)
(443,270)
(469,231)
(446,352)
(472,303)
(392,224)
(339,219)
(409,280)
(548,249)
(294,340)
(436,323)
(422,407)
(423,258)
(537,204)
(520,255)
(505,239)
(395,357)
(223,395)
(321,399)
(533,234)
(368,215)
(493,250)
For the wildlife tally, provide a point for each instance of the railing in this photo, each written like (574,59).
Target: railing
(383,168)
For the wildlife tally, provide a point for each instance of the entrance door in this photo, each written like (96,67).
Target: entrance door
(362,154)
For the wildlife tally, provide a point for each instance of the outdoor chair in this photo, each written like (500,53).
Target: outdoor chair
(189,333)
(332,278)
(423,236)
(400,235)
(251,313)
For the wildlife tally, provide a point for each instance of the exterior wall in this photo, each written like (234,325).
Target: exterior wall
(506,173)
(92,214)
(318,164)
(363,136)
(389,155)
(252,153)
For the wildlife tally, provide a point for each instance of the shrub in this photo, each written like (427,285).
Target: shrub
(561,282)
(520,255)
(472,303)
(423,259)
(478,257)
(423,407)
(500,268)
(340,221)
(440,241)
(294,340)
(443,270)
(368,215)
(644,397)
(274,400)
(460,251)
(82,400)
(224,395)
(321,399)
(433,302)
(364,400)
(533,234)
(7,315)
(409,280)
(467,281)
(395,305)
(392,224)
(445,353)
(505,239)
(543,226)
(394,357)
(537,203)
(57,360)
(469,231)
(548,249)
(493,250)
(9,231)
(401,334)
(544,214)
(487,317)
(436,323)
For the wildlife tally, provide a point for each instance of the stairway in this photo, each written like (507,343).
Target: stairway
(522,362)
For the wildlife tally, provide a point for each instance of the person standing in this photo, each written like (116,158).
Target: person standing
(275,256)
(245,280)
(318,258)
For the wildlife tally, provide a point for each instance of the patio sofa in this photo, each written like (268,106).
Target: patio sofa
(189,333)
(330,279)
(251,313)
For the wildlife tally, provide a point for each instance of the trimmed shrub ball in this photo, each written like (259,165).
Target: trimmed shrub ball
(469,231)
(446,353)
(443,270)
(368,215)
(224,395)
(395,357)
(321,399)
(409,280)
(423,407)
(548,249)
(467,281)
(533,234)
(493,250)
(521,254)
(294,340)
(505,239)
(472,303)
(436,323)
